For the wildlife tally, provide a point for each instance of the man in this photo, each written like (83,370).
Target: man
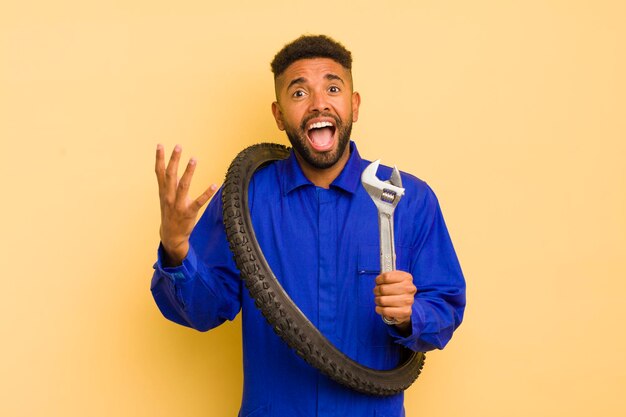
(318,229)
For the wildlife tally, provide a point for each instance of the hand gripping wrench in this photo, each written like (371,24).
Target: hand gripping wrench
(386,195)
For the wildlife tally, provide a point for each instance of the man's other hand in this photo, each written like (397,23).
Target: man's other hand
(178,211)
(394,296)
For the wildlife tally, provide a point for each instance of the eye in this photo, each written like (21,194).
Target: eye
(334,89)
(298,94)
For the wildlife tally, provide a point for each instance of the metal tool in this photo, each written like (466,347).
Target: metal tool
(386,195)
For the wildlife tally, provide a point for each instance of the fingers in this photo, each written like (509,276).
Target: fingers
(171,173)
(394,283)
(392,277)
(159,166)
(400,314)
(394,295)
(394,289)
(173,191)
(185,181)
(402,300)
(204,197)
(183,189)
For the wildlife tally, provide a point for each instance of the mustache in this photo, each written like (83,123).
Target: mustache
(307,119)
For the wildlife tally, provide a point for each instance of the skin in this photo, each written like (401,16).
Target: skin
(312,90)
(308,91)
(178,210)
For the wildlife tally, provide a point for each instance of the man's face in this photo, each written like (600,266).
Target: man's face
(316,108)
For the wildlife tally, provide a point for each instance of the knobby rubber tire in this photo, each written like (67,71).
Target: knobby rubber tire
(277,307)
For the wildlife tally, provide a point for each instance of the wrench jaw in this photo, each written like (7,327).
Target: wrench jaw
(395,178)
(385,194)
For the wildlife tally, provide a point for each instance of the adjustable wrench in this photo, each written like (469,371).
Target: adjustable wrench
(386,195)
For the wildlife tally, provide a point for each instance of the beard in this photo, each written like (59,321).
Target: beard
(320,160)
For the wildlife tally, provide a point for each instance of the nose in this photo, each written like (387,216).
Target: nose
(318,102)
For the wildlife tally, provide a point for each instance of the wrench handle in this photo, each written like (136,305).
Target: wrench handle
(387,247)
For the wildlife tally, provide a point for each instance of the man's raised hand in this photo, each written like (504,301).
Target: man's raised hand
(178,211)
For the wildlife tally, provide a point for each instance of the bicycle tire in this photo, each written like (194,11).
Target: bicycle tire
(282,314)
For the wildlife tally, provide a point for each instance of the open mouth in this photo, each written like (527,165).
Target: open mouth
(321,135)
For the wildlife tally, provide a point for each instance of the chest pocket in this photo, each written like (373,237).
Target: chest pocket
(372,331)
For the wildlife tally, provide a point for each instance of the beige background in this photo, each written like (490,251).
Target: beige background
(514,111)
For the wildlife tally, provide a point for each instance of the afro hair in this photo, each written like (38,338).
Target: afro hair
(311,46)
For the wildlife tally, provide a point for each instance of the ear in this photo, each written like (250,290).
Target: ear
(356,102)
(278,115)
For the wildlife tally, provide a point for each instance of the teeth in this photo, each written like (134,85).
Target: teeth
(320,125)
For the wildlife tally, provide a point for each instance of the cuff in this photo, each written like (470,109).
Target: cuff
(179,273)
(417,323)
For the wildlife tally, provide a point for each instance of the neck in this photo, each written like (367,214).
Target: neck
(323,177)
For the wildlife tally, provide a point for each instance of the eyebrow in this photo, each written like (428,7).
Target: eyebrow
(299,80)
(334,77)
(302,80)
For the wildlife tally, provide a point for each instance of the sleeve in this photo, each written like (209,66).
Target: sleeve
(205,290)
(440,299)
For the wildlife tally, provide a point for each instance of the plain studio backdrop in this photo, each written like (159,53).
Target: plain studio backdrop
(513,111)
